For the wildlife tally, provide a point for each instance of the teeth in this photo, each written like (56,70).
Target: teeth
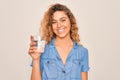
(60,30)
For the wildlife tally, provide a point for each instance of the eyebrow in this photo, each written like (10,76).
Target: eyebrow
(60,18)
(63,17)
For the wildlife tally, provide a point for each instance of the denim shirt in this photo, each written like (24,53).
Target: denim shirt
(52,67)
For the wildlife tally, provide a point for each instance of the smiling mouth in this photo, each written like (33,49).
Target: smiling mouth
(60,30)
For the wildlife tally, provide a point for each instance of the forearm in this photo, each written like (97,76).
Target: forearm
(36,73)
(84,75)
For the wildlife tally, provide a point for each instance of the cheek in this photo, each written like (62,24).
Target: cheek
(68,24)
(54,29)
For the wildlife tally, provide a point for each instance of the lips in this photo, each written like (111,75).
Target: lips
(60,30)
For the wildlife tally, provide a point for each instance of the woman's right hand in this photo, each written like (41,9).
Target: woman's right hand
(33,51)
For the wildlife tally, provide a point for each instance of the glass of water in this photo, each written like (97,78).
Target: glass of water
(40,43)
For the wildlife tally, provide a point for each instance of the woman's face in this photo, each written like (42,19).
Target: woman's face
(61,24)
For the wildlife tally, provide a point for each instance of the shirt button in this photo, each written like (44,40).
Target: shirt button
(63,71)
(48,62)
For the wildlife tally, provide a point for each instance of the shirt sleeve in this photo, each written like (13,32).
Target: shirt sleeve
(41,64)
(85,61)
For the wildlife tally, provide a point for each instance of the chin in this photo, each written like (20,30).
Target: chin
(61,36)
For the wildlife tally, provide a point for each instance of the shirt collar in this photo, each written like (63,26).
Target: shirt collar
(52,43)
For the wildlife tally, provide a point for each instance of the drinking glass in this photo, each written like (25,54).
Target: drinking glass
(39,43)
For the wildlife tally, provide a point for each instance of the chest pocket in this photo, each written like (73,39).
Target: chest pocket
(50,68)
(76,67)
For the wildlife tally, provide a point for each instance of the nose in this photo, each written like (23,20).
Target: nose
(58,24)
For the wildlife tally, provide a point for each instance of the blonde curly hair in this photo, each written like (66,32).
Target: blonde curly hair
(46,30)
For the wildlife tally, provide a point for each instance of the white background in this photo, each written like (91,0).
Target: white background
(99,24)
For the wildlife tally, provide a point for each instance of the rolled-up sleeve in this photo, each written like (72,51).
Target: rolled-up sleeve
(41,64)
(85,61)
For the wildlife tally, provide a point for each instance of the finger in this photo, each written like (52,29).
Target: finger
(38,52)
(31,38)
(31,52)
(33,48)
(33,44)
(34,52)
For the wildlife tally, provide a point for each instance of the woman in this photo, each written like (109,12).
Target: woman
(63,57)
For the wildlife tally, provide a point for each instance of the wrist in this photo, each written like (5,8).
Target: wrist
(36,62)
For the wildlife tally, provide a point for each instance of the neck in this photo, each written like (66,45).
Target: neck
(63,41)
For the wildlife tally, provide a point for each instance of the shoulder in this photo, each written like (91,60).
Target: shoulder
(81,48)
(83,51)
